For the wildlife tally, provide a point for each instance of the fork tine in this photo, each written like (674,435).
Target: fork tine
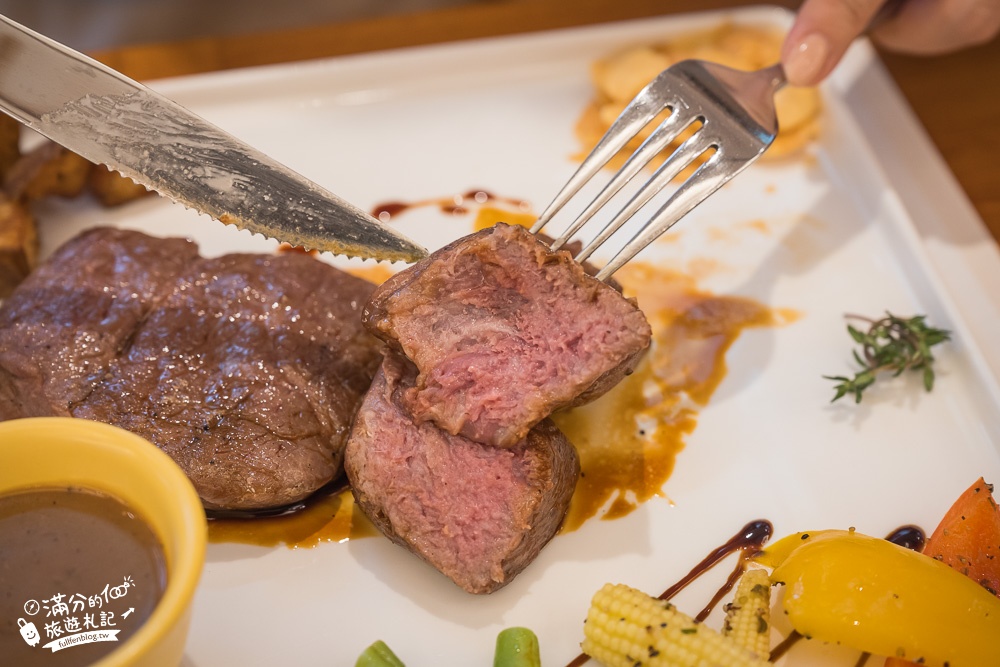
(661,137)
(709,177)
(650,101)
(686,153)
(738,119)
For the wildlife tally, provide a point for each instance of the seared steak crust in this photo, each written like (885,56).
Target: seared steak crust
(246,369)
(503,332)
(71,317)
(479,514)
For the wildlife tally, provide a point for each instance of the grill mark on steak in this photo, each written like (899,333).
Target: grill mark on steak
(246,369)
(62,327)
(504,332)
(479,514)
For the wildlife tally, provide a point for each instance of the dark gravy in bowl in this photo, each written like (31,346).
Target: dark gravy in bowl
(80,572)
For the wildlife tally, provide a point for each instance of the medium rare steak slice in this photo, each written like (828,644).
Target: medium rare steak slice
(65,324)
(503,332)
(246,369)
(477,513)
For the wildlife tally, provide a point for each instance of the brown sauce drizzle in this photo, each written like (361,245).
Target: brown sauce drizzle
(783,647)
(329,515)
(748,542)
(862,659)
(454,204)
(909,537)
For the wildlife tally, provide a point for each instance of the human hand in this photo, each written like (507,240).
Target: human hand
(823,29)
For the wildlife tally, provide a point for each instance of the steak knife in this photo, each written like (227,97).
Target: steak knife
(108,118)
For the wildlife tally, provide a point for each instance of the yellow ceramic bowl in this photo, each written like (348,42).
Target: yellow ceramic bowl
(55,451)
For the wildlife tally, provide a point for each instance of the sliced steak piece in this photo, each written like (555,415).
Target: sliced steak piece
(248,372)
(65,324)
(477,513)
(504,332)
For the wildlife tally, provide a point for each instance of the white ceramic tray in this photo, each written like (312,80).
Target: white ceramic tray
(872,221)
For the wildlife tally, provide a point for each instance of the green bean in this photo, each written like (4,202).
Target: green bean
(517,647)
(378,655)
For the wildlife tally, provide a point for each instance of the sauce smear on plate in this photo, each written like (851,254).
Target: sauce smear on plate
(629,438)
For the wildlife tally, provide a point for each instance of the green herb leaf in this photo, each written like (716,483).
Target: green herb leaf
(892,344)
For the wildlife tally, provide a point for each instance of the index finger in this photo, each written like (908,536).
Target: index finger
(821,33)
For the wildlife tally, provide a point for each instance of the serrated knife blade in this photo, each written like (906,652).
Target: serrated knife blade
(108,118)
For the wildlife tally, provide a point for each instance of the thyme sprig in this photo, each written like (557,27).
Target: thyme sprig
(891,344)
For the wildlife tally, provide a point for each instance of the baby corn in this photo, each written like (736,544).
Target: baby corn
(627,628)
(748,616)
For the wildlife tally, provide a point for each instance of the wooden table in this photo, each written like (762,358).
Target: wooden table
(951,95)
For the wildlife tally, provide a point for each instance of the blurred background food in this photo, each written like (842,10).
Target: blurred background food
(618,77)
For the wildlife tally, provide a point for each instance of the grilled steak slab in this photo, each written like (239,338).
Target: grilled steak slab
(503,332)
(246,369)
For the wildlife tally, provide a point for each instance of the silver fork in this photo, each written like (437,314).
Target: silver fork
(738,121)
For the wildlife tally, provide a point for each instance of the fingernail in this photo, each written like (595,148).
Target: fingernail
(806,62)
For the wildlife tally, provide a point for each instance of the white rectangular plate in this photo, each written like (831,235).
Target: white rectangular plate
(852,230)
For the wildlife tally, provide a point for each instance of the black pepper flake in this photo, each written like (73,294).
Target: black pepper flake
(689,631)
(653,652)
(805,536)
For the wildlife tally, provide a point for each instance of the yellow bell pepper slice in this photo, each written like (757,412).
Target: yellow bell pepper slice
(870,594)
